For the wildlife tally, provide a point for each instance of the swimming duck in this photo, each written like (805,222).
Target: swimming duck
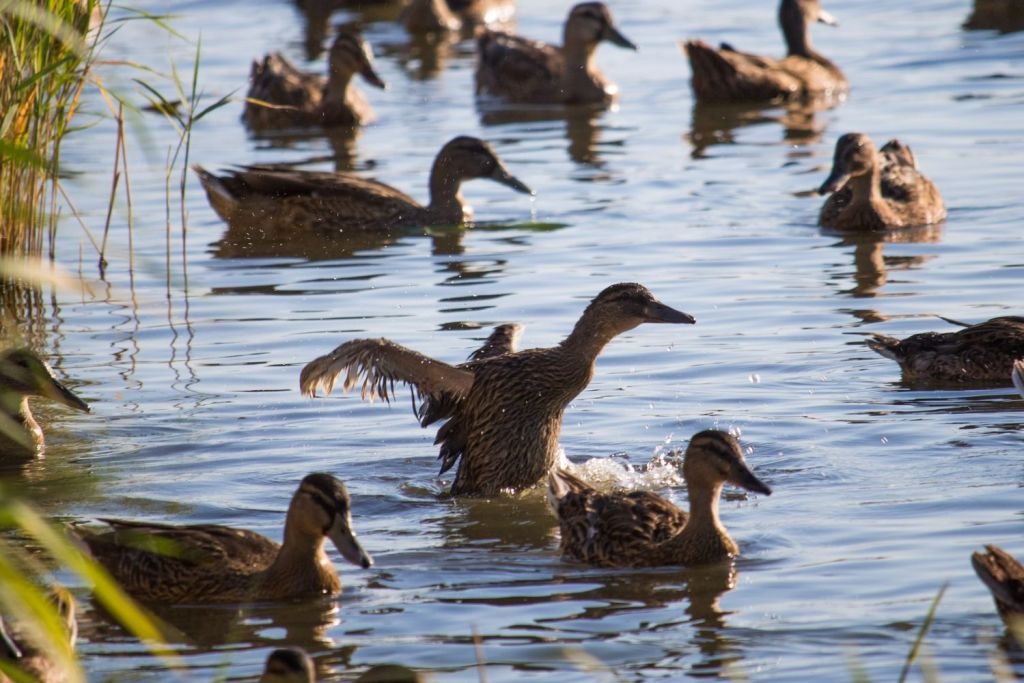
(38,663)
(504,412)
(340,201)
(984,353)
(727,75)
(1018,375)
(437,16)
(302,99)
(642,529)
(24,374)
(877,191)
(527,71)
(212,563)
(1004,576)
(288,665)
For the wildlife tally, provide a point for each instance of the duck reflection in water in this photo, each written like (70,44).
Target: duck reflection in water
(583,126)
(872,267)
(717,124)
(317,16)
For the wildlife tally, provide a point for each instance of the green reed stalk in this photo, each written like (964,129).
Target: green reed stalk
(45,57)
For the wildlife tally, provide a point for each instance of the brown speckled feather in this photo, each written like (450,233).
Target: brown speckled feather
(1004,577)
(504,411)
(983,354)
(728,75)
(519,69)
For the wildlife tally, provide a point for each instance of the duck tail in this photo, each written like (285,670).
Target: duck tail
(885,346)
(220,197)
(710,70)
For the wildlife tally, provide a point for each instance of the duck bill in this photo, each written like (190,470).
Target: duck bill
(613,36)
(657,312)
(826,18)
(834,181)
(56,391)
(501,175)
(371,76)
(745,479)
(344,539)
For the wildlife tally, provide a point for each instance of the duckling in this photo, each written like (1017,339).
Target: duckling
(504,412)
(440,16)
(1004,576)
(288,665)
(527,71)
(877,191)
(38,663)
(211,563)
(727,75)
(1018,375)
(24,374)
(303,99)
(308,200)
(980,354)
(642,529)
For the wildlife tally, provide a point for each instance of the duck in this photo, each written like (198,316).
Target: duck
(313,200)
(24,374)
(206,563)
(1017,376)
(288,665)
(643,529)
(441,16)
(503,412)
(1003,574)
(984,353)
(39,664)
(727,75)
(872,190)
(304,100)
(530,72)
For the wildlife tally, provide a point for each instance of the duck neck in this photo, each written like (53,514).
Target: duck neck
(445,198)
(795,30)
(301,561)
(866,188)
(704,538)
(336,92)
(589,337)
(18,429)
(703,517)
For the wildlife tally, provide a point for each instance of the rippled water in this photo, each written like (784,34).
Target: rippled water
(881,490)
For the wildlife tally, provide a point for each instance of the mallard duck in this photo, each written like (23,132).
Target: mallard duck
(877,191)
(642,529)
(504,412)
(727,75)
(212,563)
(302,99)
(288,665)
(17,649)
(339,201)
(1018,376)
(984,353)
(527,71)
(1004,576)
(24,374)
(436,16)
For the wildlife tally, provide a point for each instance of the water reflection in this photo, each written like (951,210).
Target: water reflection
(1005,16)
(582,129)
(508,523)
(872,267)
(342,140)
(425,55)
(317,16)
(714,124)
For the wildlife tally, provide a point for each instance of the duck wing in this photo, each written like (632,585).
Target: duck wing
(201,546)
(275,81)
(516,68)
(1004,577)
(377,364)
(611,529)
